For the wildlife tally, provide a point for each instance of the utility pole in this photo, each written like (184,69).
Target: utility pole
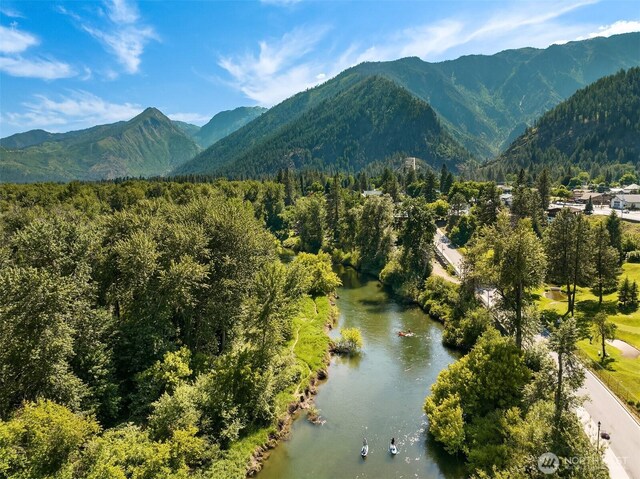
(598,446)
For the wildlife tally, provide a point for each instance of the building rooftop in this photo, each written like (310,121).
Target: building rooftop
(629,198)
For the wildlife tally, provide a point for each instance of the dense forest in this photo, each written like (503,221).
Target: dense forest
(147,328)
(368,122)
(597,130)
(150,328)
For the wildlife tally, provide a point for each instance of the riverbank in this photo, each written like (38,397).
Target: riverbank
(309,349)
(377,394)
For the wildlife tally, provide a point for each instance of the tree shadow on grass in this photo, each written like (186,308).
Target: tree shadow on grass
(607,363)
(590,307)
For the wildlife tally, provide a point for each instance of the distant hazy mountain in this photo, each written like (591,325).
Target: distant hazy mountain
(149,144)
(370,121)
(28,138)
(187,128)
(225,123)
(596,128)
(484,101)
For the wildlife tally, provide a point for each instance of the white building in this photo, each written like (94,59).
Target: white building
(631,189)
(506,199)
(367,193)
(626,202)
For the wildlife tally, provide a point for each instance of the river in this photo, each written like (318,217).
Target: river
(377,395)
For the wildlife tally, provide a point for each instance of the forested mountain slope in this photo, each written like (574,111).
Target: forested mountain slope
(225,123)
(373,120)
(485,101)
(149,144)
(598,127)
(188,129)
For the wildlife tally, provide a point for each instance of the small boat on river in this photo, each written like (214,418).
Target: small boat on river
(392,447)
(365,448)
(406,334)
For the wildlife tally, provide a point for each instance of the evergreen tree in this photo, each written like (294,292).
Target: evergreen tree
(390,184)
(311,214)
(515,267)
(614,227)
(588,209)
(543,184)
(443,178)
(289,188)
(488,205)
(633,295)
(568,245)
(624,293)
(429,188)
(417,240)
(334,208)
(605,259)
(570,374)
(363,182)
(448,182)
(375,237)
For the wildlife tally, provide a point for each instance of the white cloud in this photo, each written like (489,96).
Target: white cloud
(78,109)
(285,66)
(10,12)
(13,40)
(195,118)
(127,44)
(13,43)
(44,69)
(616,28)
(123,35)
(281,67)
(523,25)
(120,11)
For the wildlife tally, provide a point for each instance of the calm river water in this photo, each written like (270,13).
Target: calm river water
(378,395)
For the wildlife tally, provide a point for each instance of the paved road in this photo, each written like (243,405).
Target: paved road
(603,406)
(633,216)
(623,455)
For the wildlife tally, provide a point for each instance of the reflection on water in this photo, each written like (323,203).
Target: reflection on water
(377,395)
(555,295)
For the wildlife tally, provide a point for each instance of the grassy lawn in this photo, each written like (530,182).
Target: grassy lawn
(628,227)
(309,348)
(624,370)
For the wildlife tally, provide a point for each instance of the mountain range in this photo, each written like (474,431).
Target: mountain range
(149,144)
(484,102)
(225,123)
(461,112)
(596,130)
(370,121)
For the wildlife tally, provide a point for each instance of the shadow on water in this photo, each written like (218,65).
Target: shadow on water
(352,362)
(451,466)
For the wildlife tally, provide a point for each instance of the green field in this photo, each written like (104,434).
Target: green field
(626,371)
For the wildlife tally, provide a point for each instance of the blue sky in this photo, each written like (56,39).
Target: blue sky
(72,64)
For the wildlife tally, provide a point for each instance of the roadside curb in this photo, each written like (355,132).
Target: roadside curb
(615,396)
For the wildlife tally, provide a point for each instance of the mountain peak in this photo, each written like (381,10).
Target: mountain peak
(152,112)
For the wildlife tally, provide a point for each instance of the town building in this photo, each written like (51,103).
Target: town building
(626,202)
